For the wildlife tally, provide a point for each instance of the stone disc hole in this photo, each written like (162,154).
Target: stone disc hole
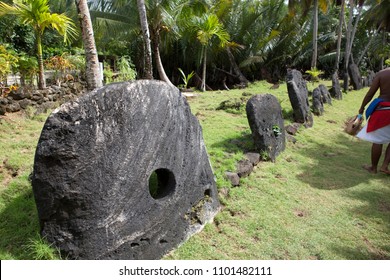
(161,183)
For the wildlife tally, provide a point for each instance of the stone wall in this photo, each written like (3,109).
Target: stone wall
(51,97)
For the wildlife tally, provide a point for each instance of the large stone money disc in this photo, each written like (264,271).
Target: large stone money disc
(123,173)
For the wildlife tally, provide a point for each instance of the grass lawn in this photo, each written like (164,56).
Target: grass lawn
(314,202)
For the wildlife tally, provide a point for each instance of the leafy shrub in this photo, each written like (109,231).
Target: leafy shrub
(28,68)
(61,65)
(8,61)
(126,69)
(314,73)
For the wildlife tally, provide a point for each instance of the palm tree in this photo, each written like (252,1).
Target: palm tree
(379,16)
(37,14)
(339,36)
(93,75)
(161,14)
(146,36)
(306,5)
(208,27)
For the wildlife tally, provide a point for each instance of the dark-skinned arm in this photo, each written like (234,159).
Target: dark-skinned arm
(370,94)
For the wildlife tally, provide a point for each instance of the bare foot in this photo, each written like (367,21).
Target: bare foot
(370,169)
(386,171)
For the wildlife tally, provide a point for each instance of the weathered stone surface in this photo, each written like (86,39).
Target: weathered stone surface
(3,110)
(293,128)
(244,168)
(370,77)
(265,119)
(233,178)
(356,78)
(291,138)
(365,81)
(123,173)
(254,158)
(318,106)
(24,103)
(21,93)
(299,98)
(326,97)
(335,91)
(3,101)
(14,107)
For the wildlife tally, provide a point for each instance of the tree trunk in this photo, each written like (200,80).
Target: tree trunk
(354,32)
(384,44)
(236,69)
(146,36)
(339,36)
(203,87)
(367,46)
(315,35)
(159,65)
(347,45)
(93,75)
(41,70)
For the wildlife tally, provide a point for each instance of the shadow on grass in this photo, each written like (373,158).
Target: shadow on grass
(18,226)
(243,143)
(376,208)
(338,166)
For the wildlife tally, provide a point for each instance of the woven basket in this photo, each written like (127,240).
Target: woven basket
(353,125)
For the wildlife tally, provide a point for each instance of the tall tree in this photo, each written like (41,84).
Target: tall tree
(146,37)
(208,27)
(379,16)
(339,36)
(315,35)
(306,5)
(350,35)
(93,75)
(36,13)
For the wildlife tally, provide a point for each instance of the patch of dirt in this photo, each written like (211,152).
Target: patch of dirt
(8,172)
(301,213)
(280,177)
(384,206)
(378,254)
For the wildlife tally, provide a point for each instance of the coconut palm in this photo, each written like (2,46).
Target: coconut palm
(208,27)
(37,14)
(305,6)
(146,36)
(93,75)
(161,19)
(379,16)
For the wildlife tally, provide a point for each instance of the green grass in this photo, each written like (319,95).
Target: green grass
(314,202)
(19,226)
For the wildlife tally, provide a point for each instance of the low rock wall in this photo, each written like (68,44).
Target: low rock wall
(51,97)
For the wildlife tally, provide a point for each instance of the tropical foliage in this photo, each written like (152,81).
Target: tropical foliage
(236,41)
(36,13)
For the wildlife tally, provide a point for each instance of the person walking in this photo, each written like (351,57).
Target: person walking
(377,129)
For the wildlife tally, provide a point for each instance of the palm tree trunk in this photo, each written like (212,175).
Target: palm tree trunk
(383,44)
(339,36)
(41,70)
(315,35)
(203,87)
(236,69)
(367,46)
(157,56)
(354,31)
(347,45)
(146,36)
(93,75)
